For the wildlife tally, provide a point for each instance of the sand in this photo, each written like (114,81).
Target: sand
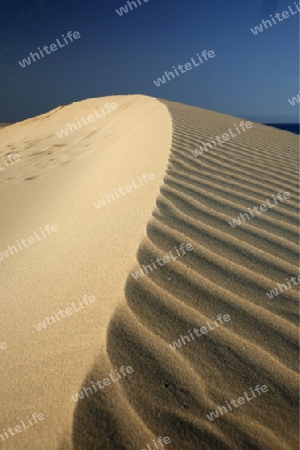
(133,322)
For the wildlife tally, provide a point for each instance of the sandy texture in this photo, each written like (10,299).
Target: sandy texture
(229,272)
(95,252)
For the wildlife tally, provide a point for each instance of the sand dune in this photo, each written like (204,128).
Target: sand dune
(134,322)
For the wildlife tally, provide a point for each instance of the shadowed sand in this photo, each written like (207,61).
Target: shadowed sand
(229,272)
(133,322)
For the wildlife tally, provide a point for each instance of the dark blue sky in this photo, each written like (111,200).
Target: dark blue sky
(251,76)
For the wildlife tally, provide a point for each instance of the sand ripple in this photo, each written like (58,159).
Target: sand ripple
(229,272)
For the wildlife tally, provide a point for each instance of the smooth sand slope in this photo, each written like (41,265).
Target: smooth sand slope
(57,182)
(134,321)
